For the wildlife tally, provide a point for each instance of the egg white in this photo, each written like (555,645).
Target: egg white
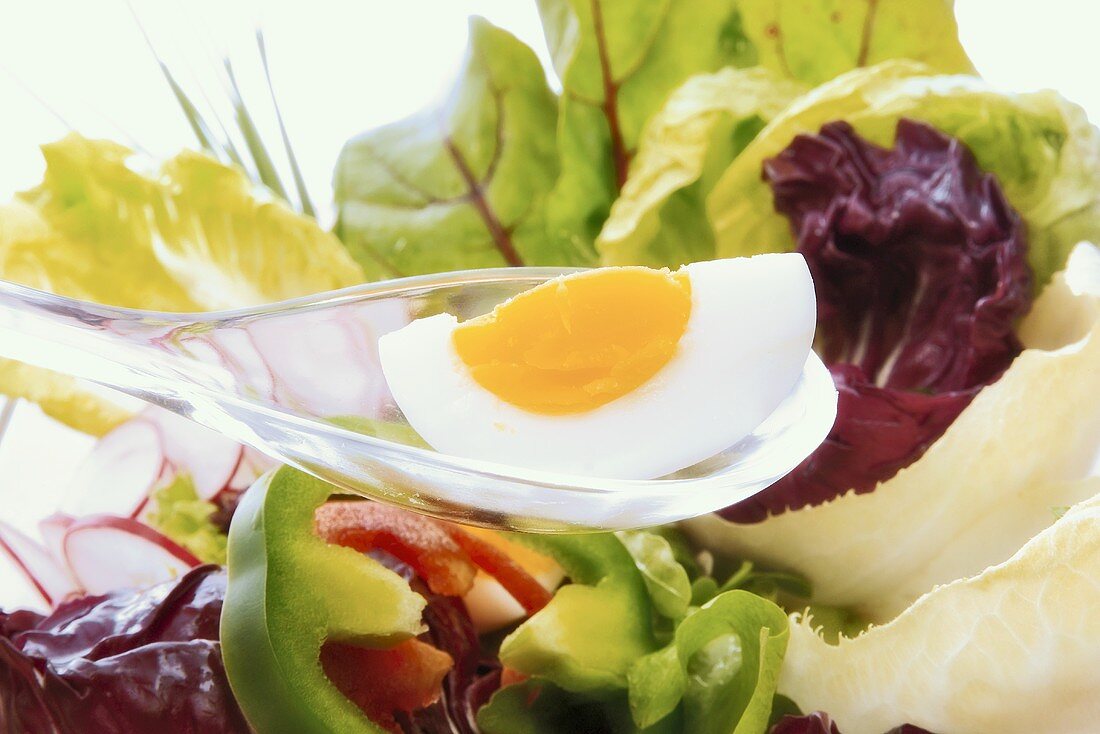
(746,340)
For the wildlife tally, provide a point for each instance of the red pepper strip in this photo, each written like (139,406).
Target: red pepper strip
(405,677)
(413,539)
(523,587)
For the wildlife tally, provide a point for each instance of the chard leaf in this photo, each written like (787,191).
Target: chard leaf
(1040,148)
(723,664)
(816,40)
(980,491)
(618,61)
(932,666)
(666,580)
(660,218)
(463,186)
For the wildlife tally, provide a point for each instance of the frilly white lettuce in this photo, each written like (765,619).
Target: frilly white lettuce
(990,483)
(1013,650)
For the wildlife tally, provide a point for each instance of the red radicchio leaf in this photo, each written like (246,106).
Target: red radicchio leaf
(123,663)
(820,723)
(920,269)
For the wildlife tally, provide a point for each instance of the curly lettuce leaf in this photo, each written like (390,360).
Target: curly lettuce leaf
(815,40)
(986,486)
(618,61)
(189,234)
(463,186)
(932,665)
(1041,149)
(659,219)
(723,663)
(179,513)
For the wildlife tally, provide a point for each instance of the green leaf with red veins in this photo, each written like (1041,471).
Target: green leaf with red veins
(619,60)
(816,40)
(464,185)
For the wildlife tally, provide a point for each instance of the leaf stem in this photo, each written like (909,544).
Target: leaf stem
(868,29)
(501,237)
(620,156)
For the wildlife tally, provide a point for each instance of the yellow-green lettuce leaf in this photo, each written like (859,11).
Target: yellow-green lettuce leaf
(462,186)
(188,234)
(1040,147)
(993,480)
(1012,650)
(660,218)
(178,512)
(816,40)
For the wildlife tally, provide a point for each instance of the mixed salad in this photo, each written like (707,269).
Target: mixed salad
(932,567)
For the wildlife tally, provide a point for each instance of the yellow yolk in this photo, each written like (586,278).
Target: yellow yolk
(573,344)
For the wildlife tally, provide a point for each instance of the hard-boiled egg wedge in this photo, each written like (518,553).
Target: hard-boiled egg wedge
(489,605)
(627,373)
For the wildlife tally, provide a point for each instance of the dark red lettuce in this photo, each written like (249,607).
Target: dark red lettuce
(129,662)
(820,723)
(475,676)
(920,268)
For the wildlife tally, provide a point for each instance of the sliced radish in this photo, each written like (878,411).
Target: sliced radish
(52,529)
(48,577)
(293,346)
(252,465)
(120,472)
(107,552)
(210,458)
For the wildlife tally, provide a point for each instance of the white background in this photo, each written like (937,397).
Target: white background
(339,66)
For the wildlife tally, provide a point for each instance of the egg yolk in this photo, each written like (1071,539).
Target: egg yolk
(575,343)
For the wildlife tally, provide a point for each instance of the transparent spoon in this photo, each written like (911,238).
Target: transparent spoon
(276,378)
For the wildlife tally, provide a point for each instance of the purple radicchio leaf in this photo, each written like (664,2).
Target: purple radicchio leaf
(819,722)
(920,269)
(122,663)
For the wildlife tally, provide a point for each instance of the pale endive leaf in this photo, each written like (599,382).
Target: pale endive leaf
(1012,650)
(985,487)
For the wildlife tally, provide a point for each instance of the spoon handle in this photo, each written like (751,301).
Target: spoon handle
(112,347)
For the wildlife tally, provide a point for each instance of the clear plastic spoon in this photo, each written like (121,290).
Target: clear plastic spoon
(287,379)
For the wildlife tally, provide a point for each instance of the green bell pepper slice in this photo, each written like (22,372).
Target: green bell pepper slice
(288,593)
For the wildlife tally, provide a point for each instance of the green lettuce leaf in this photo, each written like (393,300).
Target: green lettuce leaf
(816,40)
(618,61)
(1041,148)
(660,218)
(723,663)
(588,636)
(986,486)
(190,234)
(178,512)
(666,580)
(627,643)
(1011,650)
(538,707)
(463,186)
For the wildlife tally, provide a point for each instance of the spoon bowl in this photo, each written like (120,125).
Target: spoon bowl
(301,382)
